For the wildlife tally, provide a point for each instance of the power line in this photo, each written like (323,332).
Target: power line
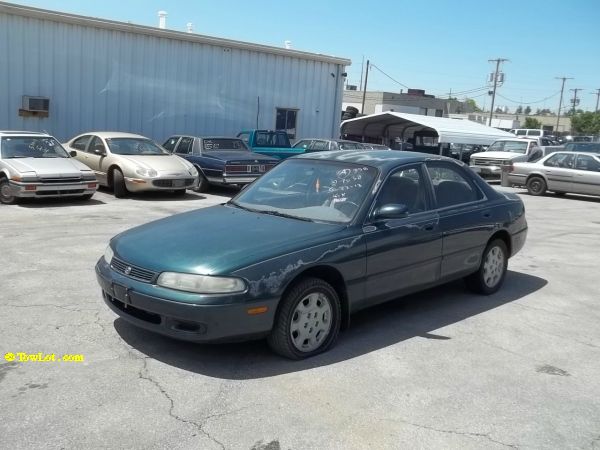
(529,103)
(393,79)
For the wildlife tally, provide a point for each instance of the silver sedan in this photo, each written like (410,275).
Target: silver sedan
(559,172)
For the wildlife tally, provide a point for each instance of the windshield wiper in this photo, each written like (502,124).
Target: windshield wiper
(280,214)
(237,205)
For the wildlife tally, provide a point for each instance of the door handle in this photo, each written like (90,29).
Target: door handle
(429,226)
(487,214)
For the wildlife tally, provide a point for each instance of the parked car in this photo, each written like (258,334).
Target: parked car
(504,152)
(35,165)
(588,147)
(315,239)
(270,143)
(559,172)
(129,162)
(529,132)
(319,145)
(220,160)
(375,146)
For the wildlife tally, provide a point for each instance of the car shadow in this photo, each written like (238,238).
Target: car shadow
(57,202)
(159,196)
(417,315)
(572,197)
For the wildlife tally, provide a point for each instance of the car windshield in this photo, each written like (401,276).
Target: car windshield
(134,146)
(350,146)
(313,190)
(31,147)
(223,144)
(509,146)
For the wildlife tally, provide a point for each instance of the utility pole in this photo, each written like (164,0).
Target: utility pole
(574,98)
(362,69)
(597,99)
(562,88)
(362,108)
(498,62)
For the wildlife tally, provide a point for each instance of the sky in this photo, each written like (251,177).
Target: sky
(436,45)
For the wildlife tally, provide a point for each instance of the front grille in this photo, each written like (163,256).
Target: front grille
(61,180)
(61,192)
(176,183)
(132,271)
(488,162)
(140,314)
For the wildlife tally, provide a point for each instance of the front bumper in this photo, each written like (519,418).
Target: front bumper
(160,183)
(49,190)
(184,321)
(226,179)
(488,171)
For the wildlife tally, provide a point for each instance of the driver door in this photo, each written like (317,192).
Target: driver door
(403,254)
(94,158)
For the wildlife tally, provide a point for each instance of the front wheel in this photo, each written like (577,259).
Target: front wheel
(536,186)
(119,187)
(202,183)
(492,270)
(6,195)
(179,192)
(308,321)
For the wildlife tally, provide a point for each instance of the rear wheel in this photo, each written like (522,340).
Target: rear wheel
(6,195)
(536,186)
(308,321)
(492,270)
(119,187)
(202,183)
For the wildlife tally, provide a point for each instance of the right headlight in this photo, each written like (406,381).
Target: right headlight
(108,254)
(201,284)
(146,172)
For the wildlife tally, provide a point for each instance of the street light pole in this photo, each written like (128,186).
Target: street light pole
(497,61)
(597,99)
(362,108)
(562,88)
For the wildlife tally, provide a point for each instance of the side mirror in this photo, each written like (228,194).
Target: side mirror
(99,151)
(73,153)
(391,211)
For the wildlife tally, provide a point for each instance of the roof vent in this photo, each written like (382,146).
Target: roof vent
(162,20)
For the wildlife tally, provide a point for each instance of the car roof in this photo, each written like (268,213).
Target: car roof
(375,158)
(113,134)
(22,133)
(206,137)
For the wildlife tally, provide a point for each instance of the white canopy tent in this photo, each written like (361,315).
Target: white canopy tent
(390,125)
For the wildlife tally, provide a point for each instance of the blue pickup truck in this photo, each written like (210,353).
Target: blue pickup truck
(220,160)
(270,143)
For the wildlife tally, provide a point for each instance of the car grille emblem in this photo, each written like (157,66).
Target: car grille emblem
(127,270)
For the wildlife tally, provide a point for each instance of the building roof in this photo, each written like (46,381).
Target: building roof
(74,19)
(394,124)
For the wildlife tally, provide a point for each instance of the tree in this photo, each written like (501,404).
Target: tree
(499,110)
(538,112)
(519,110)
(586,123)
(527,110)
(472,105)
(530,122)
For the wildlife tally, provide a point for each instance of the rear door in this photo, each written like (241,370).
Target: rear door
(403,254)
(466,220)
(559,172)
(586,178)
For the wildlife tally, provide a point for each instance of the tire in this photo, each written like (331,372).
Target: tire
(179,192)
(203,183)
(536,186)
(87,196)
(119,187)
(492,271)
(321,321)
(6,195)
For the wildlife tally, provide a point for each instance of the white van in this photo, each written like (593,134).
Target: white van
(529,132)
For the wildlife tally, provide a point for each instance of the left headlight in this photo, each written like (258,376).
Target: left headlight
(146,172)
(108,254)
(201,284)
(193,172)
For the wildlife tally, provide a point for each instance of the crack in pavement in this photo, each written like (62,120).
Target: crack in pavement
(49,305)
(460,433)
(143,375)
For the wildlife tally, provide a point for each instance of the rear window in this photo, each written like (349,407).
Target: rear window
(271,139)
(223,144)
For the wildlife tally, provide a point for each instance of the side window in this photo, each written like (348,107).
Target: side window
(244,137)
(170,144)
(96,146)
(404,187)
(534,133)
(562,160)
(305,143)
(286,120)
(185,146)
(589,163)
(451,186)
(80,143)
(318,146)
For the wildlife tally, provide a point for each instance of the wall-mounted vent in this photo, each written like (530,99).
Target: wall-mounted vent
(36,104)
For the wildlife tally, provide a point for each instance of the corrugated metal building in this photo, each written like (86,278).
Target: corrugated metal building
(105,75)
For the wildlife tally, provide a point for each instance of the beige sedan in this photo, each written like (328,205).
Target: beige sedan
(132,163)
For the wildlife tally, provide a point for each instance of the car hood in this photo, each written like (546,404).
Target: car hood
(161,163)
(497,155)
(234,156)
(217,240)
(48,167)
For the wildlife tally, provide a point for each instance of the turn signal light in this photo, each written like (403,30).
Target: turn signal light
(91,185)
(257,310)
(30,187)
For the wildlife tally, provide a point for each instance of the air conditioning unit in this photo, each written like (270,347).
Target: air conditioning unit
(36,104)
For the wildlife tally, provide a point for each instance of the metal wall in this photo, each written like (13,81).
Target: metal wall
(103,79)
